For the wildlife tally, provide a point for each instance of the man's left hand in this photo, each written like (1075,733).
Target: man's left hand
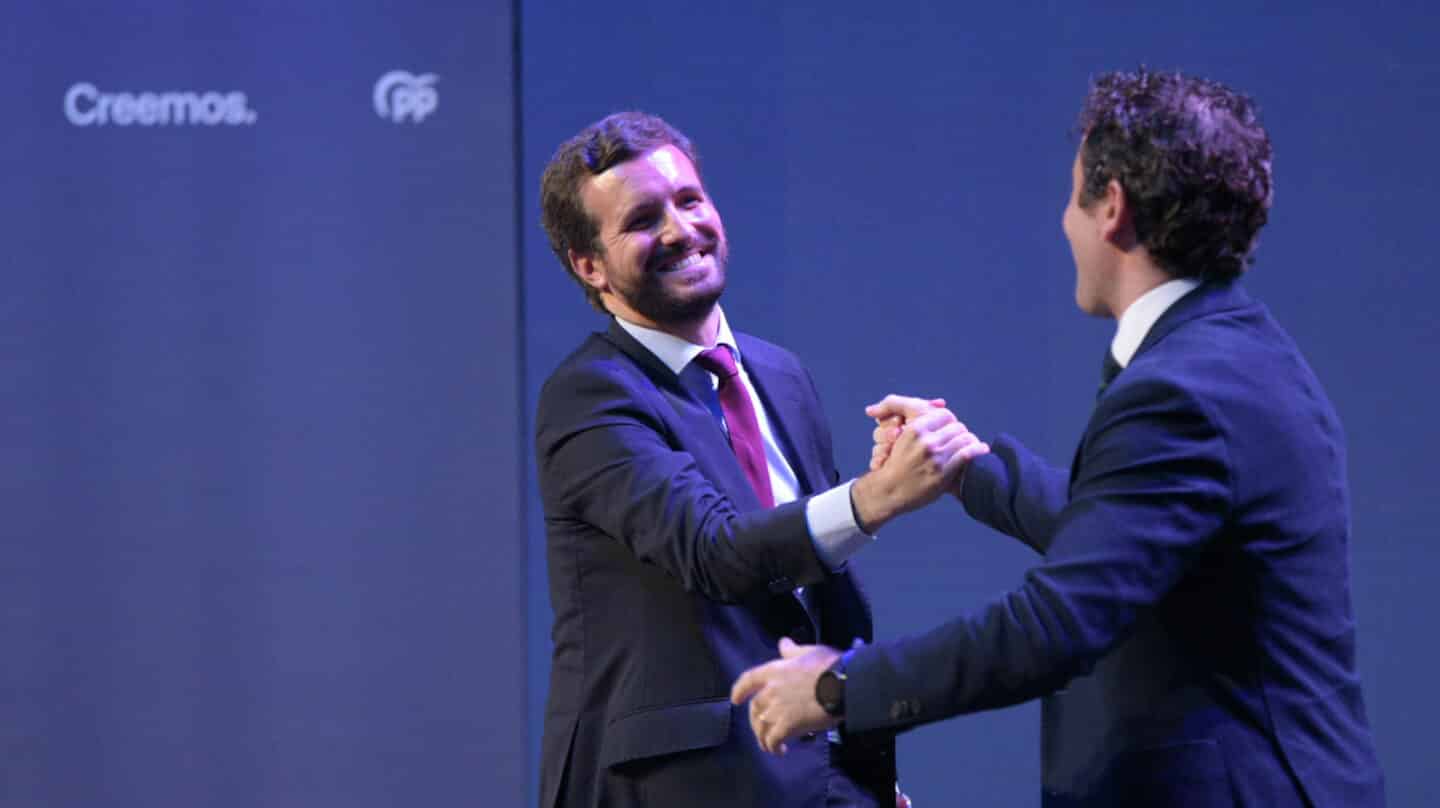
(782,695)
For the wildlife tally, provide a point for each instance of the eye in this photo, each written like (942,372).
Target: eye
(642,221)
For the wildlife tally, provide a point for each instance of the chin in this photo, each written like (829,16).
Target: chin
(1090,305)
(700,302)
(692,305)
(710,285)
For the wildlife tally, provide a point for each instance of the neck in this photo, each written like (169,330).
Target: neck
(702,330)
(1138,275)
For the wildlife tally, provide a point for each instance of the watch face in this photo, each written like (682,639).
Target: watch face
(830,692)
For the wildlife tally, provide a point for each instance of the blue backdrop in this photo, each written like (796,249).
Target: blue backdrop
(260,422)
(892,177)
(277,308)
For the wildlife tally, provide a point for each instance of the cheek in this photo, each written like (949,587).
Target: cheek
(632,252)
(711,219)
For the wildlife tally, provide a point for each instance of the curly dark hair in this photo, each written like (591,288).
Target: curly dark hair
(1194,163)
(600,146)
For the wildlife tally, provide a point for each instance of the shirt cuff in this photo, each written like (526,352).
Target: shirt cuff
(833,528)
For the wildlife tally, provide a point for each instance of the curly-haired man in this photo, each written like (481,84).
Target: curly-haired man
(1190,628)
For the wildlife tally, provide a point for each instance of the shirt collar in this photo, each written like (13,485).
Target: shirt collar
(1137,320)
(673,351)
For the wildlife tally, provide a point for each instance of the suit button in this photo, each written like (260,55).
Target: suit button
(904,708)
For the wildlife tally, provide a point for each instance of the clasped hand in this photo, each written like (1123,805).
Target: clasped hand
(920,451)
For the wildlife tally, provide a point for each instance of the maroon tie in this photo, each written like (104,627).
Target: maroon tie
(740,419)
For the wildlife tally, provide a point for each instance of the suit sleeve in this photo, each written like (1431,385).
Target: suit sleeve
(606,459)
(1152,488)
(1015,492)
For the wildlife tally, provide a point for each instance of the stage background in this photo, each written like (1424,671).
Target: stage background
(261,430)
(270,535)
(892,177)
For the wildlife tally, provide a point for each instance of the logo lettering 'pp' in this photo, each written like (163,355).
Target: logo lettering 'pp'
(401,96)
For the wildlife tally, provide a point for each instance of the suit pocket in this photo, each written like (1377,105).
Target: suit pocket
(665,730)
(1179,775)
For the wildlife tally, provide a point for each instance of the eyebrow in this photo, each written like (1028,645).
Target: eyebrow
(642,204)
(646,201)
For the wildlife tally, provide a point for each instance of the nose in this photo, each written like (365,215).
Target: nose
(679,229)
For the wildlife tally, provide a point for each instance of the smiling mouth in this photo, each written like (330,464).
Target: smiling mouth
(691,260)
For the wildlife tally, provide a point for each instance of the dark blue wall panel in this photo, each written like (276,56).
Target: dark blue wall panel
(260,426)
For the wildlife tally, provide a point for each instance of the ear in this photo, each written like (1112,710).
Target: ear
(589,270)
(1117,222)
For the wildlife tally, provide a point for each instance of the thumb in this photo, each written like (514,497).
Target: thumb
(902,406)
(788,648)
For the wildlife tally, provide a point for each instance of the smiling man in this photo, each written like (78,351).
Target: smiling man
(691,507)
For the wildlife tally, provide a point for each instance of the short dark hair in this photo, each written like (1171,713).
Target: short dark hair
(1194,163)
(600,146)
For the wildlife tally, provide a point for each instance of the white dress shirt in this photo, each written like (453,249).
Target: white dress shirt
(1140,317)
(828,514)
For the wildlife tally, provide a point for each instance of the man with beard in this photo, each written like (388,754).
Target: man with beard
(684,470)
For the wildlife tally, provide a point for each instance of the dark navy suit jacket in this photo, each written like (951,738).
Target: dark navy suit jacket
(1190,628)
(668,580)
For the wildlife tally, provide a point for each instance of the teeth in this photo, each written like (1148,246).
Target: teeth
(688,261)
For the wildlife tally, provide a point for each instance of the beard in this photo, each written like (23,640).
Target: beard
(655,297)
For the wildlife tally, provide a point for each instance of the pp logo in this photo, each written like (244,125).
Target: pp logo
(401,96)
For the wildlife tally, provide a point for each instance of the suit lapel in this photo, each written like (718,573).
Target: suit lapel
(783,396)
(692,403)
(1206,300)
(782,393)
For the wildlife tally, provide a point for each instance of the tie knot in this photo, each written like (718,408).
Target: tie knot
(718,360)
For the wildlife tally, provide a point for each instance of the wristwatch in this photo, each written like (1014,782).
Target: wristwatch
(830,687)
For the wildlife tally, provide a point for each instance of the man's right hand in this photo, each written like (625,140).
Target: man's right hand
(926,455)
(890,415)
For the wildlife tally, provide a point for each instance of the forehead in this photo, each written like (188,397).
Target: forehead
(654,174)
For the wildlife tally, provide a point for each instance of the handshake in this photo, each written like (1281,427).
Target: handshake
(921,451)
